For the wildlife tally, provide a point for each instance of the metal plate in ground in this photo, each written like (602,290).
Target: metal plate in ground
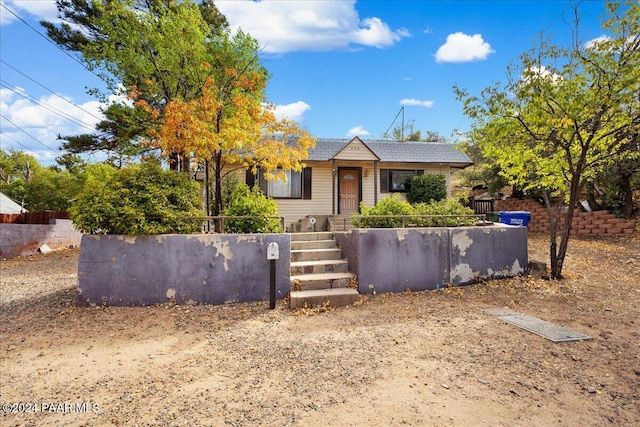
(548,330)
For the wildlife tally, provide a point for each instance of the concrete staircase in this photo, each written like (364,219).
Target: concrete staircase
(339,223)
(319,275)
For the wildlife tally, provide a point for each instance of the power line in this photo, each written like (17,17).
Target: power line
(45,106)
(4,135)
(48,39)
(51,91)
(29,135)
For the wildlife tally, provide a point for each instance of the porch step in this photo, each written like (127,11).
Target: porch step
(322,266)
(319,274)
(313,244)
(340,223)
(316,281)
(316,254)
(337,297)
(325,235)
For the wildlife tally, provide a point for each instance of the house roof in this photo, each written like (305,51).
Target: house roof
(392,151)
(8,206)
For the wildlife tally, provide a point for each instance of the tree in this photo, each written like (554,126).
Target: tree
(563,116)
(155,48)
(119,135)
(230,124)
(407,132)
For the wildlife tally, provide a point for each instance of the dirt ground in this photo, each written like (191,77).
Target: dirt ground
(429,358)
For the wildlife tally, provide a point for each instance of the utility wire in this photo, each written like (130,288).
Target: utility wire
(4,135)
(29,135)
(51,91)
(48,39)
(46,106)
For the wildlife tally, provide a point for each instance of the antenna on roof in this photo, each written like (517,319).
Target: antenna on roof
(394,120)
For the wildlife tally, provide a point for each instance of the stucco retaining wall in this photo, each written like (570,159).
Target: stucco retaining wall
(26,239)
(202,268)
(394,260)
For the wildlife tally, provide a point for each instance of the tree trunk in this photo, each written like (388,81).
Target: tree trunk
(174,162)
(553,215)
(625,186)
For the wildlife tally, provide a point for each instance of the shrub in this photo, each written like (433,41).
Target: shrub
(427,188)
(448,206)
(140,199)
(393,205)
(251,202)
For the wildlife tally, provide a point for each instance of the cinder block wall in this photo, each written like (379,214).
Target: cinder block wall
(394,260)
(25,239)
(185,268)
(584,223)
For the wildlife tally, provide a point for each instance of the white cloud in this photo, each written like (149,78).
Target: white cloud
(293,111)
(41,9)
(594,42)
(358,131)
(286,26)
(33,126)
(540,72)
(416,102)
(462,47)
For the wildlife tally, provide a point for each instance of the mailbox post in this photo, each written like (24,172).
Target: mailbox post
(273,254)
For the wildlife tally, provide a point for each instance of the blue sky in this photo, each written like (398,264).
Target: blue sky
(339,68)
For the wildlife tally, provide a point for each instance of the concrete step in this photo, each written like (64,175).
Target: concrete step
(316,254)
(338,297)
(340,223)
(314,281)
(322,266)
(296,237)
(313,244)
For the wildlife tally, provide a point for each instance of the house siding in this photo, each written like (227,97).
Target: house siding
(323,183)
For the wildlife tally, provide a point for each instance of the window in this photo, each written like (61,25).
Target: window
(396,180)
(289,188)
(296,186)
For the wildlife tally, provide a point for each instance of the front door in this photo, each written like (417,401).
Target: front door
(349,189)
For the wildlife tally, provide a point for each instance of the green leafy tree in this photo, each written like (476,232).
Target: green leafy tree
(149,49)
(251,202)
(119,135)
(408,132)
(36,187)
(137,200)
(563,116)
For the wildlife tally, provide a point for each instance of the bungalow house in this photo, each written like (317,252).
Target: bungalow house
(340,173)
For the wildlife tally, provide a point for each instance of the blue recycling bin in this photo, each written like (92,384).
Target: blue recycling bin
(515,217)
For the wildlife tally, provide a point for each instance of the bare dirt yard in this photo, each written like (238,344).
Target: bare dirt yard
(429,358)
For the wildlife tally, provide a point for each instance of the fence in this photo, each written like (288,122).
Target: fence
(404,221)
(40,217)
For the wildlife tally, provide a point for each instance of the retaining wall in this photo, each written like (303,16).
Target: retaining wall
(26,239)
(202,268)
(394,260)
(583,223)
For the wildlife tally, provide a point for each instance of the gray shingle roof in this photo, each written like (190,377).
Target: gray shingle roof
(392,151)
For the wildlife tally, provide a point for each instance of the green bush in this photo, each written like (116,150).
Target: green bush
(251,202)
(394,205)
(427,188)
(138,200)
(448,206)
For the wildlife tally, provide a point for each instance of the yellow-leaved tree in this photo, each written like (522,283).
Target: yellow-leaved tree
(230,125)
